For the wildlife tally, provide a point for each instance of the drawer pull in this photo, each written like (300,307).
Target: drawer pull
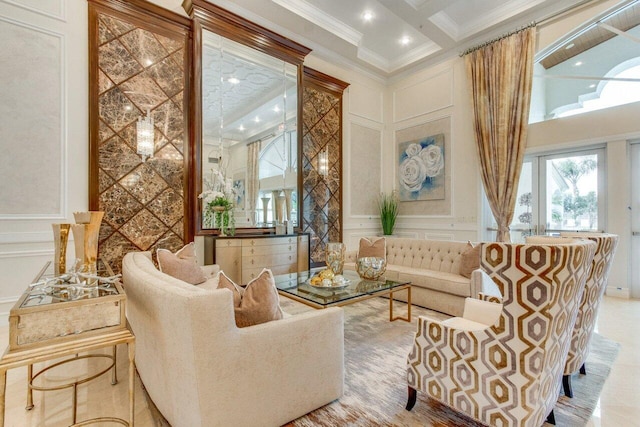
(289,247)
(252,251)
(289,257)
(228,242)
(253,242)
(251,262)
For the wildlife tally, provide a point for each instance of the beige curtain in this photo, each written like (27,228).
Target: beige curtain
(500,76)
(253,180)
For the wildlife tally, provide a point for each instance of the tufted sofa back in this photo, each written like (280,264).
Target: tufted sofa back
(438,255)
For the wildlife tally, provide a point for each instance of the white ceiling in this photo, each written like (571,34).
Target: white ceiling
(435,29)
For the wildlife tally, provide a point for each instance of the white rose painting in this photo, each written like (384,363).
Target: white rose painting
(421,169)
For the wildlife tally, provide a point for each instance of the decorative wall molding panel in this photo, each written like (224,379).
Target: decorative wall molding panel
(426,96)
(365,149)
(366,102)
(51,8)
(34,177)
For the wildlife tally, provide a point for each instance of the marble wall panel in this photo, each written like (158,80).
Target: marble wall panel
(143,201)
(322,129)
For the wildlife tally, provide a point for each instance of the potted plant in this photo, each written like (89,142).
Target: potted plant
(388,208)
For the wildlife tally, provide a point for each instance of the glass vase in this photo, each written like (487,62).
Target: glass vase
(335,256)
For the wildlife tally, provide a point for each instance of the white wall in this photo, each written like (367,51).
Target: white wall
(43,135)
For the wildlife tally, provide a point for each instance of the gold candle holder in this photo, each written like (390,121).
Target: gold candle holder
(60,241)
(85,236)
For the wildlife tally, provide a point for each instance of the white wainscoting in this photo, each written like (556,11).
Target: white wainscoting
(51,8)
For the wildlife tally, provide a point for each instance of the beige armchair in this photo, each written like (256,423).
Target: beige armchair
(506,373)
(201,370)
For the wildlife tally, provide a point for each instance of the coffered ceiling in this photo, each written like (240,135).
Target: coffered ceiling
(388,37)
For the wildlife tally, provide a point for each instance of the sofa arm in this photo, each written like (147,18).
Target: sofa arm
(277,371)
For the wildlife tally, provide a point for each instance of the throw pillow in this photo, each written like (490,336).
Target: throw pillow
(181,265)
(257,303)
(377,248)
(470,260)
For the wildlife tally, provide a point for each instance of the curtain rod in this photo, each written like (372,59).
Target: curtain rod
(503,36)
(542,22)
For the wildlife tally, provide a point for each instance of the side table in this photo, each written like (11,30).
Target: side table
(60,316)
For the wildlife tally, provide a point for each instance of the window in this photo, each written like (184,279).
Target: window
(557,192)
(595,67)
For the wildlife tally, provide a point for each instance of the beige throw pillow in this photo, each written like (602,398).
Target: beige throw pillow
(377,248)
(181,265)
(470,260)
(257,303)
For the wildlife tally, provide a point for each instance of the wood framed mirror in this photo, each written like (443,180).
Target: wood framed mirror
(247,88)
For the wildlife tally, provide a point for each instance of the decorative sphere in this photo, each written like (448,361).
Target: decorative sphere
(371,267)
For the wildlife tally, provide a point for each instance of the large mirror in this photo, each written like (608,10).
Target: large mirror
(249,150)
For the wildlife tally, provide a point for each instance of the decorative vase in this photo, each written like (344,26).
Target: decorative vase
(85,236)
(60,241)
(335,256)
(371,267)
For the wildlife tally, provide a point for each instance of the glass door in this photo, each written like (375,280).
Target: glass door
(561,191)
(635,219)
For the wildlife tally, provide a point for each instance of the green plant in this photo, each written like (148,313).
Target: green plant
(388,208)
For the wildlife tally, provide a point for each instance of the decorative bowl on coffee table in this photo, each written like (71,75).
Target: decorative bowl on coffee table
(371,268)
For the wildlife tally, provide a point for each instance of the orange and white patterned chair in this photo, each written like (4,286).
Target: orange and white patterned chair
(507,373)
(587,315)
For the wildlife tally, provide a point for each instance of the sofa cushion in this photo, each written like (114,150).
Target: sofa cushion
(377,248)
(181,265)
(436,280)
(470,260)
(257,303)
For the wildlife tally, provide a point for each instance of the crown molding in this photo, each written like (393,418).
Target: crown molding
(322,19)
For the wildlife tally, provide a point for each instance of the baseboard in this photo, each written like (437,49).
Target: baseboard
(618,292)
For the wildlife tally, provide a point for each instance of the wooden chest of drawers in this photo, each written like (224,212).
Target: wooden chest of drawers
(243,258)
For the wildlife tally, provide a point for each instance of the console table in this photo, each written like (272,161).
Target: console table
(51,322)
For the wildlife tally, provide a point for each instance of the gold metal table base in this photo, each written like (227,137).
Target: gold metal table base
(28,357)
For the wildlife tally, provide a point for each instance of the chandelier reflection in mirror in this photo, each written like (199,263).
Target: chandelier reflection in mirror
(145,136)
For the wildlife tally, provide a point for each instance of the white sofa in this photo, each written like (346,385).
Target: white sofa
(201,370)
(432,267)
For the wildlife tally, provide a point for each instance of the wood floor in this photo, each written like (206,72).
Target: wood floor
(619,406)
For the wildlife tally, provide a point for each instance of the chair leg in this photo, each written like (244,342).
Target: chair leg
(583,370)
(551,419)
(411,400)
(566,385)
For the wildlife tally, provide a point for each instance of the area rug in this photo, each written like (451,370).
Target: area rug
(375,376)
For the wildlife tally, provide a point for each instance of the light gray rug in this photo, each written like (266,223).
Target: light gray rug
(375,375)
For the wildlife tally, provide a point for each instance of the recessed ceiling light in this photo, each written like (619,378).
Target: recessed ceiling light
(233,81)
(276,109)
(367,16)
(241,128)
(569,46)
(577,64)
(592,85)
(257,119)
(405,40)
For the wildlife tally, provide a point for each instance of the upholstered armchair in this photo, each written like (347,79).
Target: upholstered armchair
(201,370)
(508,372)
(595,286)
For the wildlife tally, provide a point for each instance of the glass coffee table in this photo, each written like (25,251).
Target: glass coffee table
(296,286)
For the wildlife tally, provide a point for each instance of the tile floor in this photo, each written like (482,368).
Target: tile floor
(619,404)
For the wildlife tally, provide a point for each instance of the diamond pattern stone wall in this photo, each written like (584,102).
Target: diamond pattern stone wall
(139,70)
(321,195)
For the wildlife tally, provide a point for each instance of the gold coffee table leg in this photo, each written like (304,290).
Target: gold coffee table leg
(131,347)
(391,316)
(3,386)
(114,374)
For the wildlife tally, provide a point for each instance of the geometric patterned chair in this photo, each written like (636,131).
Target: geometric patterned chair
(507,374)
(595,287)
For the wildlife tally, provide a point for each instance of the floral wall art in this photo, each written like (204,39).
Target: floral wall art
(423,174)
(421,169)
